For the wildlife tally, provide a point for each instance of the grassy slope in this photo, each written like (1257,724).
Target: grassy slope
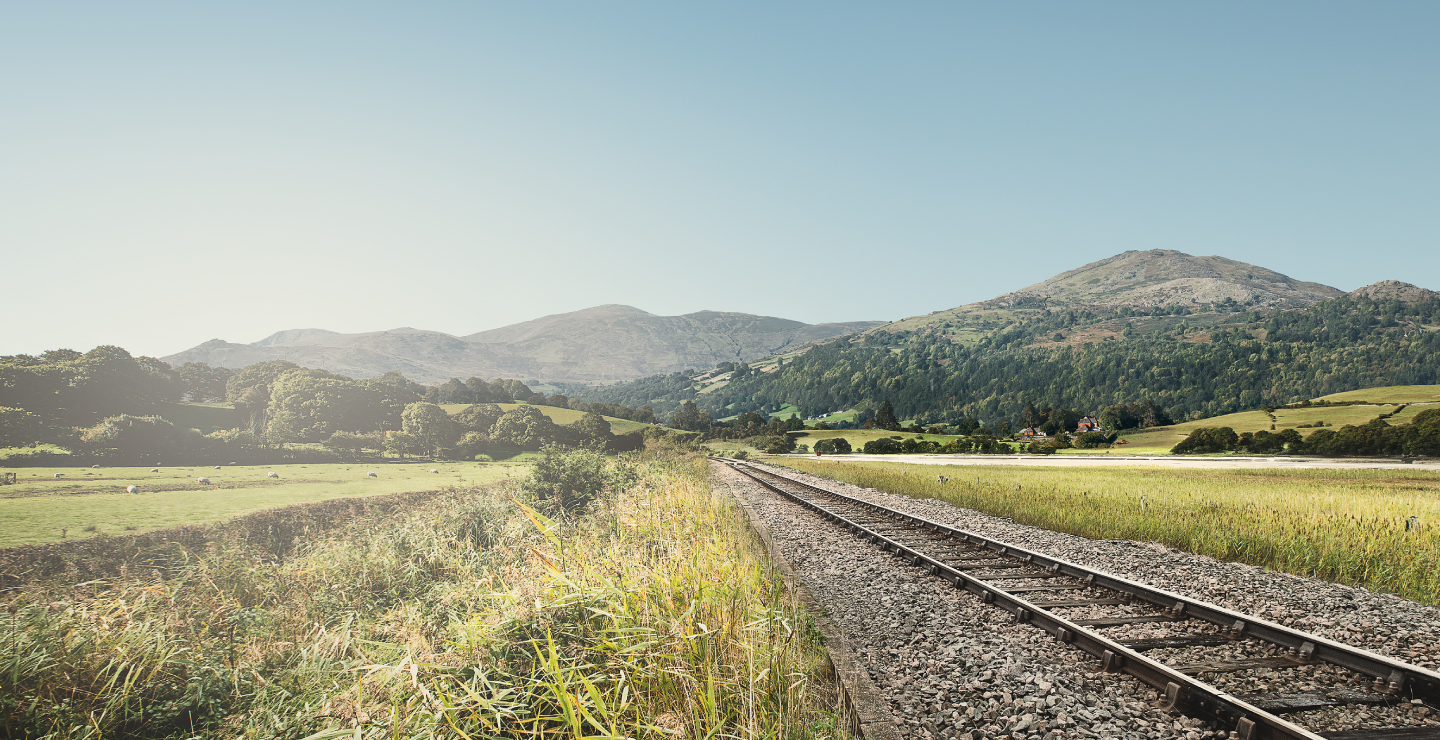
(558,415)
(1342,525)
(1390,394)
(1159,440)
(35,509)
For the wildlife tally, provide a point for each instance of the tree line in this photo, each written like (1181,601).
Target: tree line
(1419,438)
(107,404)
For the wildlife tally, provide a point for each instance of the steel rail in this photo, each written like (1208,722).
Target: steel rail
(1181,692)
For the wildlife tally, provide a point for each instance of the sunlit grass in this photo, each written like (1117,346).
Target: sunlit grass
(86,502)
(655,616)
(1342,525)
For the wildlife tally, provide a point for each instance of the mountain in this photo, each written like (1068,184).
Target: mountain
(600,344)
(1198,336)
(1388,289)
(1138,280)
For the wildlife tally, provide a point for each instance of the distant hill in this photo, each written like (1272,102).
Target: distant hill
(601,344)
(1199,336)
(1148,280)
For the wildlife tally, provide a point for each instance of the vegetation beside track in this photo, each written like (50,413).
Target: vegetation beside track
(1350,526)
(472,613)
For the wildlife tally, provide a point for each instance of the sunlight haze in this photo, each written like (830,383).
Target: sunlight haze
(172,173)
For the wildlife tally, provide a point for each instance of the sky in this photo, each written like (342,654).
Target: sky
(176,172)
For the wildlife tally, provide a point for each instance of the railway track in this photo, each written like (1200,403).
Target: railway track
(1040,590)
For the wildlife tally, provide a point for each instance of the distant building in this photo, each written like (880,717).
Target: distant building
(1033,433)
(1087,424)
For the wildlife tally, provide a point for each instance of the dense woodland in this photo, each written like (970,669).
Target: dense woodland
(1237,361)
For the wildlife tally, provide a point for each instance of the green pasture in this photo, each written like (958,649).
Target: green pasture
(1341,525)
(1159,440)
(89,502)
(557,415)
(1390,394)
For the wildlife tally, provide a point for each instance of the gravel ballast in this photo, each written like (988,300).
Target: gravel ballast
(953,667)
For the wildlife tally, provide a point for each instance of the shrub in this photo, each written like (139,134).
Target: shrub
(567,480)
(833,446)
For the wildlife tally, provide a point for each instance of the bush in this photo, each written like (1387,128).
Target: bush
(567,480)
(779,444)
(1208,440)
(833,446)
(883,446)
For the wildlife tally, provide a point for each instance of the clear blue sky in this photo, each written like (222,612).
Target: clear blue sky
(170,173)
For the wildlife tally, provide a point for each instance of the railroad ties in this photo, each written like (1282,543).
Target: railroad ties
(1038,590)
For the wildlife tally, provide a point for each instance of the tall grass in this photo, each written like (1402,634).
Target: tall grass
(472,614)
(1348,526)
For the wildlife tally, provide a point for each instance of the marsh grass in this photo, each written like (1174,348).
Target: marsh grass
(1348,526)
(469,614)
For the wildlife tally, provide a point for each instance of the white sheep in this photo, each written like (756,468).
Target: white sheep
(203,479)
(433,470)
(272,474)
(217,467)
(371,475)
(154,470)
(58,475)
(132,489)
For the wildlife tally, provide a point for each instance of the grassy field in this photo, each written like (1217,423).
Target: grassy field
(469,614)
(1159,440)
(557,415)
(1347,526)
(1390,394)
(89,502)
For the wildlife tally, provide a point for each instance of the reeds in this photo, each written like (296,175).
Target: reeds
(470,614)
(1348,526)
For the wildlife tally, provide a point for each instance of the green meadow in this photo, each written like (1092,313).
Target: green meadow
(1350,526)
(1387,400)
(560,416)
(90,502)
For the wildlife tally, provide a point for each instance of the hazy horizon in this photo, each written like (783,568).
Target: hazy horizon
(171,174)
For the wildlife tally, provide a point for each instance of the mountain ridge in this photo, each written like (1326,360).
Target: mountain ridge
(599,344)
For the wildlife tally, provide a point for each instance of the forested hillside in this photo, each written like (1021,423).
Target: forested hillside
(1193,366)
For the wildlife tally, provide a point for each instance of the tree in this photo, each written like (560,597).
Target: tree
(833,446)
(479,417)
(429,426)
(525,427)
(690,418)
(592,431)
(885,417)
(20,428)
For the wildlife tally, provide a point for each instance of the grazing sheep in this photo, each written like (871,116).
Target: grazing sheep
(154,470)
(433,470)
(132,489)
(57,475)
(202,479)
(371,475)
(217,467)
(272,474)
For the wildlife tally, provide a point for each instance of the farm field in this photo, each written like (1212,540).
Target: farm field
(476,613)
(1159,440)
(88,502)
(1341,525)
(558,415)
(1390,394)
